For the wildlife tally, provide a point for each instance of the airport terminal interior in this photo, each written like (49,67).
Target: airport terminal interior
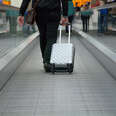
(26,89)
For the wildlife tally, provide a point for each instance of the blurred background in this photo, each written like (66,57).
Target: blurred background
(11,34)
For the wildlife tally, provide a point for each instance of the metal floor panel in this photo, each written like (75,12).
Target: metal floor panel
(9,41)
(89,91)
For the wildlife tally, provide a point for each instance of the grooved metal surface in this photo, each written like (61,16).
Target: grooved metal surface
(105,56)
(107,40)
(89,91)
(8,42)
(11,61)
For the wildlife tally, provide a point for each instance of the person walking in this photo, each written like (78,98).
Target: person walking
(103,19)
(85,16)
(12,17)
(71,12)
(47,19)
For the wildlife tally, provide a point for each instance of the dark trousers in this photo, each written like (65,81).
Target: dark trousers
(48,33)
(85,21)
(102,23)
(70,19)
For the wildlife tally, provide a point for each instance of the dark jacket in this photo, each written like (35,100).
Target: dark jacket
(47,4)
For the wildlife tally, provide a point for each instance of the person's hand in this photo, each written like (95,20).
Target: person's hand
(20,20)
(64,21)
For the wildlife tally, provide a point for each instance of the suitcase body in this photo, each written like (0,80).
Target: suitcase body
(62,56)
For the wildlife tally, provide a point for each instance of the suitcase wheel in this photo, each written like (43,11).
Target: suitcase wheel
(53,68)
(70,68)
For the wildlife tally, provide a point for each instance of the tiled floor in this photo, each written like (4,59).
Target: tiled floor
(89,91)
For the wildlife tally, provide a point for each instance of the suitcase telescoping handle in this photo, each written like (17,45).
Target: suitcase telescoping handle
(60,34)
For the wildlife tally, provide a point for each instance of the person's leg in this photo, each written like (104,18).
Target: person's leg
(41,21)
(105,23)
(82,19)
(85,23)
(100,23)
(51,36)
(70,20)
(11,26)
(43,40)
(88,23)
(33,28)
(66,28)
(28,29)
(14,24)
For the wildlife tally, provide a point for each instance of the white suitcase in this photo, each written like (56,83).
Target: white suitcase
(62,55)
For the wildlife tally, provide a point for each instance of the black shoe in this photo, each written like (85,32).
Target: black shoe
(47,67)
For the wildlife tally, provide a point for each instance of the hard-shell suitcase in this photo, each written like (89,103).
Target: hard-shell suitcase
(62,55)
